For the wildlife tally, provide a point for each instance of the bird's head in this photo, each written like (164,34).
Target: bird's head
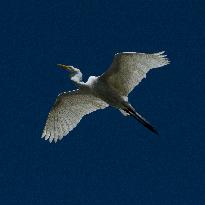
(69,68)
(75,73)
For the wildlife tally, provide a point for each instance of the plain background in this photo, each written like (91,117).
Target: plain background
(107,159)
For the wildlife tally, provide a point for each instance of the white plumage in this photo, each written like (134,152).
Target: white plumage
(67,112)
(129,68)
(111,88)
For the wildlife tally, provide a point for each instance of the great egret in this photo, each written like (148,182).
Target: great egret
(111,88)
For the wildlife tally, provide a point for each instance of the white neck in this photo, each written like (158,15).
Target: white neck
(76,78)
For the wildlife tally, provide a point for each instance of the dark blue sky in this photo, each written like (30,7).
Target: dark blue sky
(107,159)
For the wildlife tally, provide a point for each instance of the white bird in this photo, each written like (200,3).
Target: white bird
(111,88)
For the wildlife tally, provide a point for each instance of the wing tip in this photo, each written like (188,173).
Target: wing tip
(51,138)
(159,53)
(163,60)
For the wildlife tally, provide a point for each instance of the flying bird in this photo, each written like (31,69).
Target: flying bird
(110,89)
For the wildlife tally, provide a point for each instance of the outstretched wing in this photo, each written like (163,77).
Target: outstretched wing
(128,69)
(67,112)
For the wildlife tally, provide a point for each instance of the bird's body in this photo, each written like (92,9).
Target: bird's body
(111,88)
(99,88)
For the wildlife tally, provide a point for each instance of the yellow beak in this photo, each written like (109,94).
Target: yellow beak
(65,67)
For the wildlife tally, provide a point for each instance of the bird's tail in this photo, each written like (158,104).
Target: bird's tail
(140,119)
